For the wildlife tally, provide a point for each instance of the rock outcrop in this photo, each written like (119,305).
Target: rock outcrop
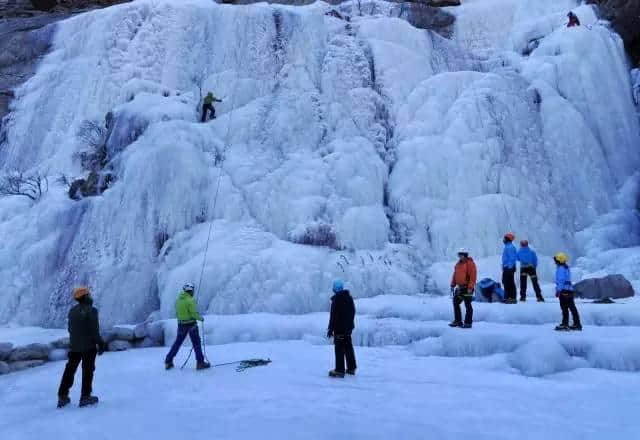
(624,16)
(611,286)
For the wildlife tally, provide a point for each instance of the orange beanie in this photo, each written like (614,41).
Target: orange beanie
(81,291)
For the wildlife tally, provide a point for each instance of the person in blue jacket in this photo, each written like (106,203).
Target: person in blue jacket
(564,292)
(528,265)
(509,258)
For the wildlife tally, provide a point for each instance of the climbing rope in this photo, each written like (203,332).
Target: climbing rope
(215,204)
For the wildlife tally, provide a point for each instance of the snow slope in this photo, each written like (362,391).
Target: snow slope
(395,394)
(384,141)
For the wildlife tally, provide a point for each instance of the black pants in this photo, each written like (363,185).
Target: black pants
(568,304)
(344,349)
(529,271)
(88,359)
(509,283)
(205,108)
(457,313)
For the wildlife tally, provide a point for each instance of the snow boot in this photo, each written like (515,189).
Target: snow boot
(63,401)
(540,299)
(562,328)
(455,324)
(203,365)
(523,299)
(576,327)
(351,372)
(88,401)
(465,325)
(168,365)
(336,374)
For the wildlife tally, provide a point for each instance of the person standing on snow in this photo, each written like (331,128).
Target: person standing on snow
(528,264)
(207,106)
(85,343)
(564,292)
(188,317)
(509,258)
(462,284)
(343,312)
(573,19)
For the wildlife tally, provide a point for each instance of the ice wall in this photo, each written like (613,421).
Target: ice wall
(367,149)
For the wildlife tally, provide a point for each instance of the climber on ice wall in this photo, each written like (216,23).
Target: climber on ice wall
(207,106)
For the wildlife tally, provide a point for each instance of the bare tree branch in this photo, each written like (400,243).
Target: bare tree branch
(18,183)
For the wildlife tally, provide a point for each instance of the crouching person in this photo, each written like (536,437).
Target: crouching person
(462,284)
(341,325)
(84,344)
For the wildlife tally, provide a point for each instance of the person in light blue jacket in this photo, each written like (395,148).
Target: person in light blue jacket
(528,266)
(564,292)
(509,259)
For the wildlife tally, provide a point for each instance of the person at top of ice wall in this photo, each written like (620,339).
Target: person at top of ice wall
(573,19)
(509,259)
(463,282)
(564,292)
(188,317)
(343,311)
(528,265)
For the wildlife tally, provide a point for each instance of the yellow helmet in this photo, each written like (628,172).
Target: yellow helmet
(561,258)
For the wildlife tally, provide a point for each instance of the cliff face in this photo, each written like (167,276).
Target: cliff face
(624,15)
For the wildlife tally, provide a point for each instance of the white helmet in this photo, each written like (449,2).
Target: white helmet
(188,287)
(463,250)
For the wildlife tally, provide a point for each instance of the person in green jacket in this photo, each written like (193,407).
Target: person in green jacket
(188,317)
(208,106)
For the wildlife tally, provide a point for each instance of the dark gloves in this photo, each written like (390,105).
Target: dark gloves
(329,333)
(102,347)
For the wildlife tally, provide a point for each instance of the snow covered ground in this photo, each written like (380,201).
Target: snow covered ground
(395,394)
(510,376)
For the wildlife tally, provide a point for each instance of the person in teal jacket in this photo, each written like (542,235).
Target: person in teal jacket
(528,266)
(509,259)
(564,292)
(188,317)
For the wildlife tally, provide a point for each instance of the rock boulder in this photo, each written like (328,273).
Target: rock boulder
(30,352)
(5,350)
(611,286)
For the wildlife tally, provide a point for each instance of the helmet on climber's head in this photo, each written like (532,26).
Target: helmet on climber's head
(509,236)
(338,286)
(463,252)
(524,243)
(561,258)
(188,287)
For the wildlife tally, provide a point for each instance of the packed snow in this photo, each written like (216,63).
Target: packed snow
(394,394)
(368,150)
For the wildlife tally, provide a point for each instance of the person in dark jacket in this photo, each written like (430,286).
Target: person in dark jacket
(85,343)
(573,19)
(343,312)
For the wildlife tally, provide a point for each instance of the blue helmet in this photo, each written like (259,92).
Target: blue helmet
(338,286)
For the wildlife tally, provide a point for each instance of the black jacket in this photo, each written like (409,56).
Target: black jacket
(343,311)
(84,329)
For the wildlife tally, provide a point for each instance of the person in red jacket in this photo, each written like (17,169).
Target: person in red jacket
(462,284)
(573,19)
